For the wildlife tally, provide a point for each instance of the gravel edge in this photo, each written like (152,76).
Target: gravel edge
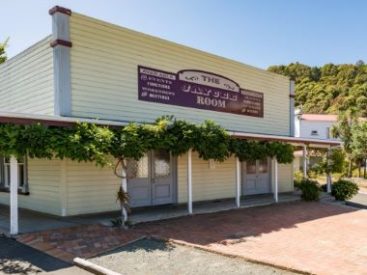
(99,270)
(203,248)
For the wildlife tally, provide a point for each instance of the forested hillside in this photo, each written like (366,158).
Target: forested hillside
(330,88)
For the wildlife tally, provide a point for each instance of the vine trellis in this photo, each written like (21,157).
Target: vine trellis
(93,143)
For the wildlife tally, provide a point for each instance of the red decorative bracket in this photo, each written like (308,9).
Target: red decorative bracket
(60,42)
(59,9)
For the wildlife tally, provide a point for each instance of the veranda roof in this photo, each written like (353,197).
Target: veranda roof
(25,118)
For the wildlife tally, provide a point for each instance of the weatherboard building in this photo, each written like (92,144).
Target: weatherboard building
(93,71)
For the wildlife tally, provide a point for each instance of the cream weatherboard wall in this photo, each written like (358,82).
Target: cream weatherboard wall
(208,183)
(285,178)
(26,81)
(219,181)
(44,178)
(65,187)
(104,60)
(89,189)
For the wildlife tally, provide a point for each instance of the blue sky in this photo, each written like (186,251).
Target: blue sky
(256,32)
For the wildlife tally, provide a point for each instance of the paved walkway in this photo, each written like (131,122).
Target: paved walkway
(313,237)
(31,221)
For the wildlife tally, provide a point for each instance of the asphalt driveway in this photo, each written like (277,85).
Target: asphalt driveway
(17,258)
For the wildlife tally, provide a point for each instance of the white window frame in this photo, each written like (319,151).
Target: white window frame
(328,132)
(5,177)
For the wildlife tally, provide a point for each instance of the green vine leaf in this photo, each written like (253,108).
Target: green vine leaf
(92,143)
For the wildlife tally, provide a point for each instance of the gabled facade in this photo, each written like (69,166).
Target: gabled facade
(90,69)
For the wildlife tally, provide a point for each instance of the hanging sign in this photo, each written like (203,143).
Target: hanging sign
(198,89)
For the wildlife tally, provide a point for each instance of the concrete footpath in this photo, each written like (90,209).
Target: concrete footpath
(359,200)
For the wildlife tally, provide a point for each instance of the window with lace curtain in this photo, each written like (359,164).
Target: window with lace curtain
(5,174)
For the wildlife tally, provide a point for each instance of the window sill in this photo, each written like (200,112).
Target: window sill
(6,190)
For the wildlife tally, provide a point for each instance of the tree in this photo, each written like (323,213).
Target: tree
(333,161)
(359,143)
(359,63)
(328,89)
(344,130)
(3,56)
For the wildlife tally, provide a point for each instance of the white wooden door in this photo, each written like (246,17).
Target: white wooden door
(138,181)
(162,177)
(256,177)
(151,179)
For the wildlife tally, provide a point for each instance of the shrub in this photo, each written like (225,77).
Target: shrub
(344,190)
(323,187)
(298,176)
(297,184)
(310,190)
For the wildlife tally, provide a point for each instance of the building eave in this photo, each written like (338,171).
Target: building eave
(27,119)
(287,139)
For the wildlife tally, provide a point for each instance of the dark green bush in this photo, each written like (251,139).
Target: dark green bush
(323,187)
(344,190)
(310,190)
(298,177)
(297,184)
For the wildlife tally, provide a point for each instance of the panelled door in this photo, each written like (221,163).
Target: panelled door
(256,177)
(150,180)
(162,179)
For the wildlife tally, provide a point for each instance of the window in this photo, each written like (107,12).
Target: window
(263,166)
(251,167)
(5,174)
(162,163)
(138,168)
(314,133)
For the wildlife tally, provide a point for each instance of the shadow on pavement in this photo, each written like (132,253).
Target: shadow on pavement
(17,258)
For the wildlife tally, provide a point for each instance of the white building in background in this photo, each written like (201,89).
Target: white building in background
(317,126)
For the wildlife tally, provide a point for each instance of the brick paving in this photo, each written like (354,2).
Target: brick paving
(79,241)
(312,237)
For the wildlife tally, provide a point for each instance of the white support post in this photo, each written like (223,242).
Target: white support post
(238,183)
(305,161)
(189,181)
(124,189)
(328,174)
(275,179)
(14,228)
